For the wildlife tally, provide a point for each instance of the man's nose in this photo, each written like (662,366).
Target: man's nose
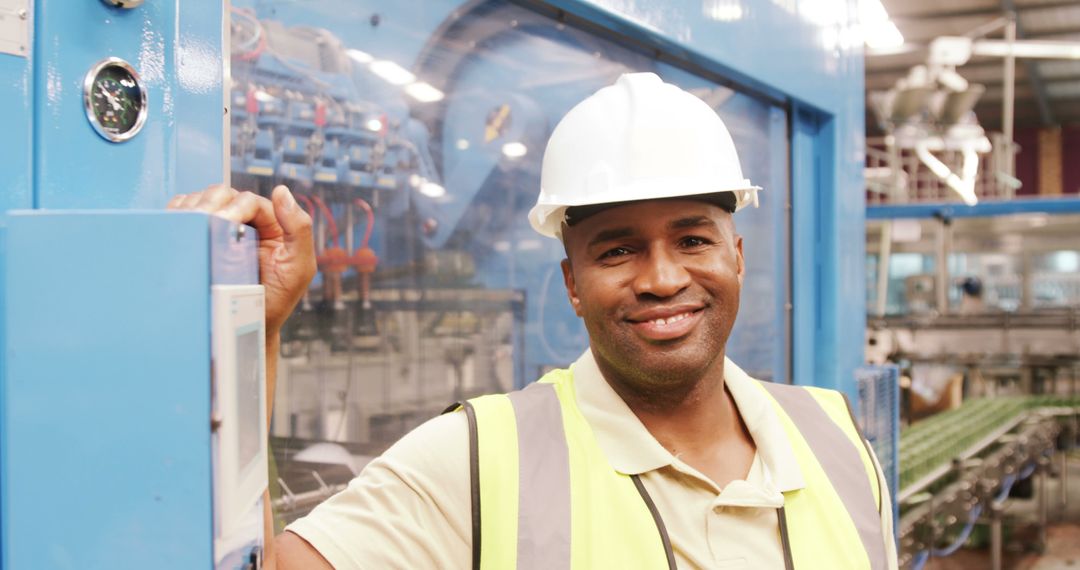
(661,275)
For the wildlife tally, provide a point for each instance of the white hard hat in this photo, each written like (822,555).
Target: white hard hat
(638,139)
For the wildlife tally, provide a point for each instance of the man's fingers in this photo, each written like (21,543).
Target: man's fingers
(189,201)
(249,208)
(175,201)
(214,198)
(295,222)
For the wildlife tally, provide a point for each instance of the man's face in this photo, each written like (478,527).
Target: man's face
(657,283)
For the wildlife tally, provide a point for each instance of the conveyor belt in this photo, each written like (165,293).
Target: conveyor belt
(930,446)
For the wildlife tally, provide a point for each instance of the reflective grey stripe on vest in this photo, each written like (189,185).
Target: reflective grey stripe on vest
(543,481)
(842,465)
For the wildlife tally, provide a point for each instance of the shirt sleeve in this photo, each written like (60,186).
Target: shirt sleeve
(409,508)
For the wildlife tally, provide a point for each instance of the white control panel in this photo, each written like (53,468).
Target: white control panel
(239,421)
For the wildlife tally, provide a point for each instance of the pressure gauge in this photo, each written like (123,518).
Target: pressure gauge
(115,99)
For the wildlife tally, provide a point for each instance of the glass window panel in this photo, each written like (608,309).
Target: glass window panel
(414,133)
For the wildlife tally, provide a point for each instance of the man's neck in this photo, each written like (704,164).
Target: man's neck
(699,423)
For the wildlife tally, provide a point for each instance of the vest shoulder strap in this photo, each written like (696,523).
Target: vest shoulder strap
(825,422)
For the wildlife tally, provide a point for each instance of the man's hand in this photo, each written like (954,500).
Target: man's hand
(286,250)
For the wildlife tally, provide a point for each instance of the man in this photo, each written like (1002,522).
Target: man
(652,450)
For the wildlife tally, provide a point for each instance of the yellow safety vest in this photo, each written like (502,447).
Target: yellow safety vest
(545,496)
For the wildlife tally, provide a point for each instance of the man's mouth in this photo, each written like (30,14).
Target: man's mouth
(669,320)
(666,323)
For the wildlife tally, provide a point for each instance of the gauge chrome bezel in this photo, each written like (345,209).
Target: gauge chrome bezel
(88,88)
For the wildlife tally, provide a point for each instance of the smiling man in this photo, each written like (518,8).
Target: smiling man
(653,450)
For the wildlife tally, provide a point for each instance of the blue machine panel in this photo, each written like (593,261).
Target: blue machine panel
(176,47)
(106,392)
(16,97)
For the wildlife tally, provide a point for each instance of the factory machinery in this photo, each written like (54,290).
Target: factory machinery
(394,328)
(959,469)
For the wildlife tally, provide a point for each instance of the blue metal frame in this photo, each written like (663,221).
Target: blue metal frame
(106,398)
(980,210)
(177,49)
(16,97)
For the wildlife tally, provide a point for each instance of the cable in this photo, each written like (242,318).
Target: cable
(333,241)
(370,220)
(919,560)
(961,538)
(256,45)
(306,203)
(1006,486)
(1027,471)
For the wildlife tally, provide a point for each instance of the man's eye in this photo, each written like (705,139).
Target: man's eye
(614,252)
(693,241)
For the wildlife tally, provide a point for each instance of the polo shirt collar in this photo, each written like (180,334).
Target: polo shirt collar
(632,450)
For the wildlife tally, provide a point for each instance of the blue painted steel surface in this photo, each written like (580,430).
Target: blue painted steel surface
(235,257)
(177,49)
(805,245)
(16,96)
(980,210)
(106,389)
(3,382)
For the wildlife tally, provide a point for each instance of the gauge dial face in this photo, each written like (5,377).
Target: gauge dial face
(115,100)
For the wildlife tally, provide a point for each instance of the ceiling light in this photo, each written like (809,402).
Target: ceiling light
(722,10)
(392,72)
(514,150)
(432,190)
(359,56)
(1028,48)
(424,92)
(882,36)
(879,32)
(462,144)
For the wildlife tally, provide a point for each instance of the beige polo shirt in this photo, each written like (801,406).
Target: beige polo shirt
(410,508)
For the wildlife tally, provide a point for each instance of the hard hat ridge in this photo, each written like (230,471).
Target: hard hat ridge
(637,139)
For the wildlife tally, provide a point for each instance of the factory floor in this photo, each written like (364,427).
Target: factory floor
(1020,552)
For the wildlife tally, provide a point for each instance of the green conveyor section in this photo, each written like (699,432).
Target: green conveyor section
(935,441)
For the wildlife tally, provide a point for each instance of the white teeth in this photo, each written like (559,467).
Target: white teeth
(670,320)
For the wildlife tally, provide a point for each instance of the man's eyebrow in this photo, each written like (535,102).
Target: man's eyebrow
(610,234)
(690,222)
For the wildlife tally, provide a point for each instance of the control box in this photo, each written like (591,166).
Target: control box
(133,392)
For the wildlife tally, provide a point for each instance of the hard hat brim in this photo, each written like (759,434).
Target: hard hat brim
(547,217)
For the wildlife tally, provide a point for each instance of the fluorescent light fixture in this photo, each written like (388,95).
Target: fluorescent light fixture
(432,190)
(1028,48)
(514,150)
(360,56)
(392,72)
(883,36)
(879,32)
(423,92)
(374,125)
(722,10)
(462,144)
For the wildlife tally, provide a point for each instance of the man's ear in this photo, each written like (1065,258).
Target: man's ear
(739,258)
(571,286)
